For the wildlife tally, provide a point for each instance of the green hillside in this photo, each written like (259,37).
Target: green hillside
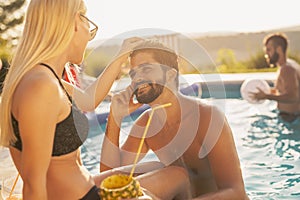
(247,44)
(243,46)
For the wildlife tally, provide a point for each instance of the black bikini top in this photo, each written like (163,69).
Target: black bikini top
(69,133)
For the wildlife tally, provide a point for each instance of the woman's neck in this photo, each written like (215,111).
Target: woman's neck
(57,64)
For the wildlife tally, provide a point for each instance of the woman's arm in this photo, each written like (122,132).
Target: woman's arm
(93,95)
(37,113)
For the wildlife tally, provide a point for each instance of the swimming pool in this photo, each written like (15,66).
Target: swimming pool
(269,150)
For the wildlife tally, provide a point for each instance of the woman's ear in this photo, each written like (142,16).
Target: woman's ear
(77,18)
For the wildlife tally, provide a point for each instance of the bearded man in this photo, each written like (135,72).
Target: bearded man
(190,133)
(287,86)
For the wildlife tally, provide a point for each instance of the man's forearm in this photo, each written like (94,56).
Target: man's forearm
(110,153)
(283,98)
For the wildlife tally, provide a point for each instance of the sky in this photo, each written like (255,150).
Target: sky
(116,17)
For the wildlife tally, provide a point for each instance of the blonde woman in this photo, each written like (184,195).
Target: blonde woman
(37,110)
(41,118)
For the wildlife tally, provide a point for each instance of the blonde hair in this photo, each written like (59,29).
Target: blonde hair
(48,30)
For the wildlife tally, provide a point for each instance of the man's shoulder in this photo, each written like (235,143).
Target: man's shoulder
(208,107)
(210,111)
(288,69)
(291,65)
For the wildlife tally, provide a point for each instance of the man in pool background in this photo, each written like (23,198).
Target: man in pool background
(287,87)
(189,133)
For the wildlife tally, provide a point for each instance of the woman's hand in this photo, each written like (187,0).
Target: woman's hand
(129,44)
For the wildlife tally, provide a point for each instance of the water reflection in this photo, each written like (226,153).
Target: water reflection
(278,147)
(282,138)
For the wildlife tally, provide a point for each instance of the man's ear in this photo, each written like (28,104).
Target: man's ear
(171,75)
(279,49)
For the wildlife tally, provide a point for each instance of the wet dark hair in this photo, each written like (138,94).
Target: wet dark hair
(160,53)
(278,39)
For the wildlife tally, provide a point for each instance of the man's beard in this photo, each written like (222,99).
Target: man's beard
(274,59)
(151,95)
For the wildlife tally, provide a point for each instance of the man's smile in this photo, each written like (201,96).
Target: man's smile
(143,88)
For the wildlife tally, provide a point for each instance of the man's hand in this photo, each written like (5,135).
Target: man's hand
(122,104)
(260,95)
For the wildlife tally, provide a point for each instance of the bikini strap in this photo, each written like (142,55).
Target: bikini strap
(59,81)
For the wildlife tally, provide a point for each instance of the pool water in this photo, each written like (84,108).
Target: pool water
(269,150)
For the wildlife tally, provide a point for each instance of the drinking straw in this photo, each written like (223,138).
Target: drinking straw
(14,185)
(144,135)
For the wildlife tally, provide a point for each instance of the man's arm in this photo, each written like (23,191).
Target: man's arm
(289,82)
(111,155)
(225,164)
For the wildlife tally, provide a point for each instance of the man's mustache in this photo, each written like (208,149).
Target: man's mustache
(138,84)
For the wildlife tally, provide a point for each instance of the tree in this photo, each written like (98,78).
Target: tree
(11,16)
(257,61)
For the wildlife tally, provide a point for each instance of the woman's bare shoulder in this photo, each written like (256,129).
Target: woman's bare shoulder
(34,89)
